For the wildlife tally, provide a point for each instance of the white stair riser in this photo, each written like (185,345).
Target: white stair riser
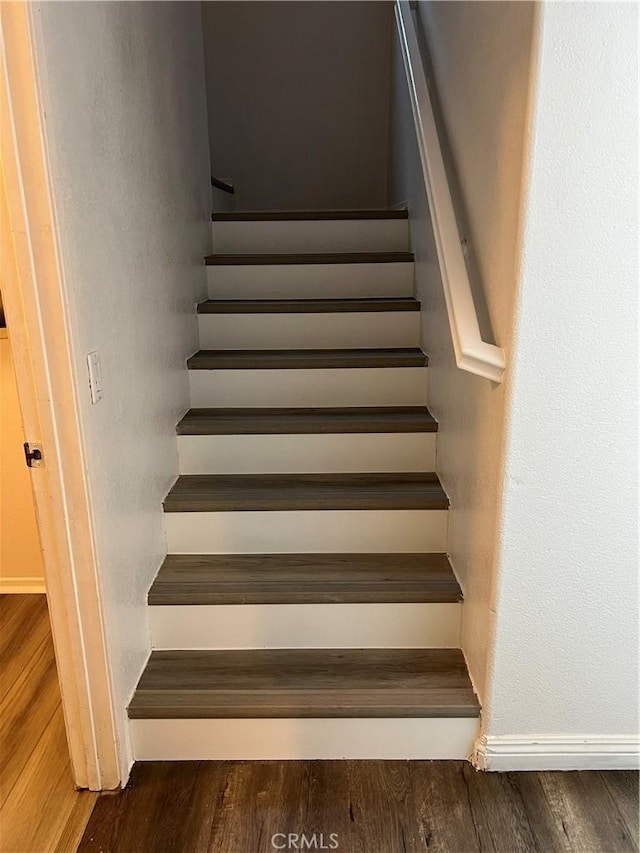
(310,331)
(303,281)
(306,454)
(303,739)
(345,235)
(307,531)
(367,386)
(305,626)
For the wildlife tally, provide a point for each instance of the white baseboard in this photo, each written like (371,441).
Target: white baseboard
(22,585)
(557,752)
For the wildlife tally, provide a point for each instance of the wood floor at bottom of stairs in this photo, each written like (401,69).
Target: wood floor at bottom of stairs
(373,806)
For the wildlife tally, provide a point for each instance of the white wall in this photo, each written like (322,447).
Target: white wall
(566,644)
(542,471)
(299,101)
(123,93)
(481,60)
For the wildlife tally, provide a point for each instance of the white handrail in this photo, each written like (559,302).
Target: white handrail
(471,352)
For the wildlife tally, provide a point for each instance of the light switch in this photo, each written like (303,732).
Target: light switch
(95,377)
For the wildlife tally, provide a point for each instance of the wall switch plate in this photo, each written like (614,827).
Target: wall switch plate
(95,377)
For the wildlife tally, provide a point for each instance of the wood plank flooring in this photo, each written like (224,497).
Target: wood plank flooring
(309,258)
(371,806)
(267,421)
(306,215)
(304,579)
(308,306)
(312,683)
(306,359)
(258,492)
(40,810)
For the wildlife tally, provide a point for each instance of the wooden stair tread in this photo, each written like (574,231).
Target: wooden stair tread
(198,579)
(257,492)
(260,259)
(307,306)
(306,421)
(307,215)
(305,359)
(289,683)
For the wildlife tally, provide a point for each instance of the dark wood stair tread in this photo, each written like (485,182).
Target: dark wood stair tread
(307,306)
(291,683)
(293,421)
(305,359)
(307,215)
(198,579)
(257,492)
(309,258)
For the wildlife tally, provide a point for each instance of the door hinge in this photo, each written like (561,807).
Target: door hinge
(33,455)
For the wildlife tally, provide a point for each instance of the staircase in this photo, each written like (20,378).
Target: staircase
(306,608)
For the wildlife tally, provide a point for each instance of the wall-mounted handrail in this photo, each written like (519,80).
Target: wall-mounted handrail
(471,352)
(225,186)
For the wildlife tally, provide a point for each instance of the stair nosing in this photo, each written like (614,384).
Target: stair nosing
(295,492)
(366,305)
(286,258)
(308,359)
(297,683)
(267,579)
(307,421)
(309,215)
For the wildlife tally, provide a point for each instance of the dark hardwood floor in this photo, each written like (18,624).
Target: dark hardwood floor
(364,807)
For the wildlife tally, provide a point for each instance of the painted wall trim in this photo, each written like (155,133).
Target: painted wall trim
(22,585)
(471,352)
(36,307)
(557,752)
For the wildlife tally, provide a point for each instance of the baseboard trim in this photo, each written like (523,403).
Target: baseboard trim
(22,585)
(557,752)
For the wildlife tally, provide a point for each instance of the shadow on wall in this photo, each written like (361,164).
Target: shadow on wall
(298,101)
(480,65)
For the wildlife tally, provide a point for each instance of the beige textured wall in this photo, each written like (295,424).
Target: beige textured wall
(481,55)
(20,554)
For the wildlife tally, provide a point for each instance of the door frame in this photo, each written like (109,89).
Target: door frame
(35,304)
